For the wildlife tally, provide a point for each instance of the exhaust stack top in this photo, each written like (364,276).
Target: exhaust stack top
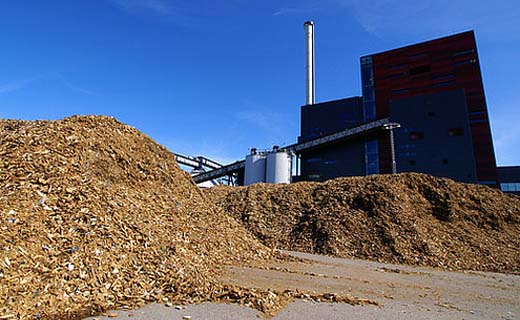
(309,34)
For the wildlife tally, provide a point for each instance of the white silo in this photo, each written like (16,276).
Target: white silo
(255,168)
(278,166)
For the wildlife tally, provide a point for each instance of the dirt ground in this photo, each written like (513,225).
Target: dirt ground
(402,292)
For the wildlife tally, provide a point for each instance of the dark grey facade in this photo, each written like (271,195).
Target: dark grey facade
(435,136)
(345,159)
(328,117)
(509,179)
(342,159)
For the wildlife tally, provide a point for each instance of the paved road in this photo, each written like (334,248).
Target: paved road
(404,292)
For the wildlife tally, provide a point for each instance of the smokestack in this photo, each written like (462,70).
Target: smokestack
(309,35)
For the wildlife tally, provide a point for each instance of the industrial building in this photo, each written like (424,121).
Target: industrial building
(422,109)
(434,91)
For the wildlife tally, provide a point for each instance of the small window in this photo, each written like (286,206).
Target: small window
(421,55)
(445,161)
(444,83)
(420,69)
(400,91)
(366,59)
(397,66)
(463,53)
(455,132)
(418,135)
(476,113)
(464,62)
(412,162)
(431,114)
(396,75)
(443,77)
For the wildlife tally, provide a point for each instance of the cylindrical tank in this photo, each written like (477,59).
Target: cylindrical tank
(255,168)
(278,167)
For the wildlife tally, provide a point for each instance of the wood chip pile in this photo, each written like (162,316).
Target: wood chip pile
(95,215)
(414,219)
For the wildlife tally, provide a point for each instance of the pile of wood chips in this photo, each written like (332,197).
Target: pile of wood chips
(94,215)
(414,219)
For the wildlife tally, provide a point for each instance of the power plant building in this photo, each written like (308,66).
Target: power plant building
(422,109)
(434,91)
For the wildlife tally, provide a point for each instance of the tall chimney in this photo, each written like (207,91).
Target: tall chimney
(309,35)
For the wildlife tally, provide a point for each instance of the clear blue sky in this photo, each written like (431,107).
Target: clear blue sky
(217,77)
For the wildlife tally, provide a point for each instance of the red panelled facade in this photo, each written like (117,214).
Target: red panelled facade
(430,67)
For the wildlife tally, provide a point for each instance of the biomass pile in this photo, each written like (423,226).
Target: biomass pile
(95,215)
(414,219)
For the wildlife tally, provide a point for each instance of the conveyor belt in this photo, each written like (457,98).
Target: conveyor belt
(298,147)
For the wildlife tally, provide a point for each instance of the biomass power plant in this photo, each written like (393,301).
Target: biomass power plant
(422,109)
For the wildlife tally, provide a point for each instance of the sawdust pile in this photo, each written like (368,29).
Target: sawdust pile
(414,219)
(95,215)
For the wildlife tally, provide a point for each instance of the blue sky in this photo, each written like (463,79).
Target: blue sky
(218,77)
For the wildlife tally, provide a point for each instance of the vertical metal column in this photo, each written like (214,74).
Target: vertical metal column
(391,127)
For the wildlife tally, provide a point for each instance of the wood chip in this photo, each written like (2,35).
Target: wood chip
(89,222)
(409,218)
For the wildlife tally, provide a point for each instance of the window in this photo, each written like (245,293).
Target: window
(444,83)
(455,132)
(367,79)
(396,75)
(366,59)
(369,110)
(407,154)
(463,52)
(368,93)
(474,121)
(397,66)
(420,69)
(412,162)
(431,114)
(444,161)
(313,160)
(510,187)
(372,157)
(443,77)
(330,162)
(418,56)
(400,91)
(418,135)
(464,62)
(407,146)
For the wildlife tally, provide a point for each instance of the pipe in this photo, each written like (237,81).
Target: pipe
(310,89)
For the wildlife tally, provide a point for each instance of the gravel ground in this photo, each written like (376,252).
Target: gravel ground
(403,292)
